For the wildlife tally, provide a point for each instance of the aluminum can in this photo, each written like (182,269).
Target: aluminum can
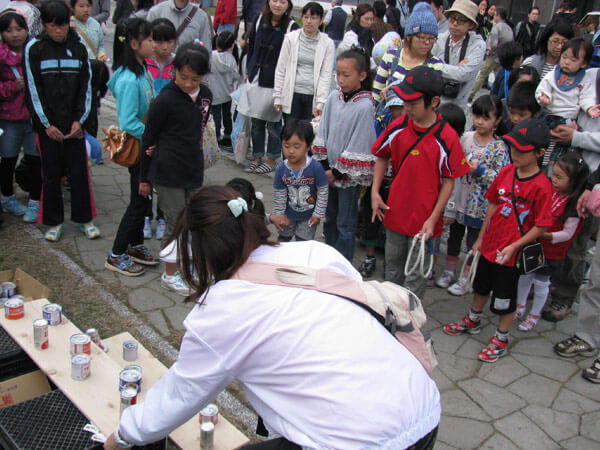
(128,397)
(130,378)
(14,308)
(210,413)
(95,337)
(80,366)
(207,436)
(80,343)
(40,334)
(52,313)
(130,349)
(136,368)
(9,289)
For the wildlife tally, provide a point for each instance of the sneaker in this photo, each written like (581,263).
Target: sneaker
(175,283)
(13,206)
(123,265)
(466,325)
(444,280)
(90,230)
(54,233)
(555,312)
(529,323)
(574,346)
(160,228)
(32,212)
(367,267)
(147,228)
(142,255)
(592,373)
(460,287)
(496,348)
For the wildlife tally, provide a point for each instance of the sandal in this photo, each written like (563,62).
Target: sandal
(251,167)
(264,168)
(90,230)
(54,233)
(520,311)
(529,323)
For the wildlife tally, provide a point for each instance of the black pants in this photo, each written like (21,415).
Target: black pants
(457,232)
(56,156)
(131,228)
(222,112)
(28,175)
(302,107)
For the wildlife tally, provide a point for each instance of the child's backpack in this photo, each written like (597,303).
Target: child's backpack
(396,308)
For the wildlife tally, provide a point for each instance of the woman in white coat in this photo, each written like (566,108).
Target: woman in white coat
(321,371)
(304,68)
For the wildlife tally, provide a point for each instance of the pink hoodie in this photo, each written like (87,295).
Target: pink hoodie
(12,103)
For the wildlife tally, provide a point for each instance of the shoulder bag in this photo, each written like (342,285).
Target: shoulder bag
(452,88)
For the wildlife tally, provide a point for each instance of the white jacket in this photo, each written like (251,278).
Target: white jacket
(285,72)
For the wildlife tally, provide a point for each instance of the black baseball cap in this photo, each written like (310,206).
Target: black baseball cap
(528,135)
(421,80)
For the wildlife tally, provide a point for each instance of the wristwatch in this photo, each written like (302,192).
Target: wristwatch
(122,443)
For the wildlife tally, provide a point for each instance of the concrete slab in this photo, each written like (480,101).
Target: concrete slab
(559,426)
(499,442)
(569,401)
(536,390)
(452,431)
(589,426)
(497,402)
(558,369)
(505,373)
(456,403)
(524,432)
(145,299)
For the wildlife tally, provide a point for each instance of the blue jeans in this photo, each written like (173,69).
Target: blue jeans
(258,139)
(341,218)
(226,27)
(17,134)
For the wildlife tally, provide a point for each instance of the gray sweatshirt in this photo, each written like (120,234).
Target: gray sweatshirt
(223,78)
(198,28)
(501,33)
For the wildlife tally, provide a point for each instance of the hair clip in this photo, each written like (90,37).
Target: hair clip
(198,42)
(237,206)
(122,38)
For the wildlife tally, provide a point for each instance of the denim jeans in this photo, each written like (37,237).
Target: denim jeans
(17,134)
(301,108)
(341,218)
(258,139)
(226,27)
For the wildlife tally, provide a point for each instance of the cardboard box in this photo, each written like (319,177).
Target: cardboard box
(24,387)
(27,286)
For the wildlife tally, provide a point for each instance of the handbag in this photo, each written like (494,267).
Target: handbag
(531,256)
(210,146)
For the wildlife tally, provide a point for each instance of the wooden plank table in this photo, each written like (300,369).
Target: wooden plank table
(98,397)
(186,436)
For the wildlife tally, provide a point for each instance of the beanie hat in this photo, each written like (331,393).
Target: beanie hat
(421,20)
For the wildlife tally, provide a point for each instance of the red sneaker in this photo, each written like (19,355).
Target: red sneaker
(466,325)
(494,350)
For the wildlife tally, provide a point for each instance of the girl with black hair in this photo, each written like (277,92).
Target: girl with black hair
(569,178)
(15,120)
(549,47)
(343,145)
(132,87)
(176,120)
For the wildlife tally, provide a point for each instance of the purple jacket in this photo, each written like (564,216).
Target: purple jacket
(12,103)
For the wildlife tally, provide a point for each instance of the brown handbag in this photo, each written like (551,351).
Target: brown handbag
(122,148)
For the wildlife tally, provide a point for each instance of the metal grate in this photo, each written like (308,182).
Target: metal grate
(13,360)
(7,344)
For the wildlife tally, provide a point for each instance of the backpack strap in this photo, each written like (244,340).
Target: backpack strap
(463,49)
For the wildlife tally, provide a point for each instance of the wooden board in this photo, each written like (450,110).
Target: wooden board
(186,436)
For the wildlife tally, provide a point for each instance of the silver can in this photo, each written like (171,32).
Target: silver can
(40,334)
(130,378)
(128,397)
(14,308)
(136,368)
(80,366)
(95,337)
(52,313)
(9,289)
(207,436)
(130,350)
(80,343)
(210,413)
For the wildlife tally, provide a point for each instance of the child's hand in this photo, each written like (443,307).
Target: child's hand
(378,206)
(330,176)
(544,100)
(448,220)
(150,150)
(314,221)
(463,62)
(279,220)
(277,108)
(55,134)
(594,112)
(582,210)
(477,245)
(428,229)
(505,255)
(76,131)
(317,112)
(19,84)
(473,166)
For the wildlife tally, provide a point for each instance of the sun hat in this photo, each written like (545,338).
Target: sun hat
(465,7)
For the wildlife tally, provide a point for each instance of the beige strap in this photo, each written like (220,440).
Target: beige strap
(84,36)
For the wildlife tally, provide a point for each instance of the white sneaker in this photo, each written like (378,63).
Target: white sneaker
(175,283)
(444,280)
(460,287)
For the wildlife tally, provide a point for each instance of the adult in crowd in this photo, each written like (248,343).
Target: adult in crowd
(567,11)
(127,9)
(567,283)
(526,32)
(501,33)
(265,39)
(462,51)
(421,34)
(485,18)
(393,15)
(297,353)
(379,27)
(190,21)
(250,11)
(225,16)
(31,13)
(335,22)
(358,33)
(101,10)
(438,7)
(304,68)
(549,47)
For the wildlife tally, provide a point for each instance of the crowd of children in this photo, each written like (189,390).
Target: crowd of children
(396,176)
